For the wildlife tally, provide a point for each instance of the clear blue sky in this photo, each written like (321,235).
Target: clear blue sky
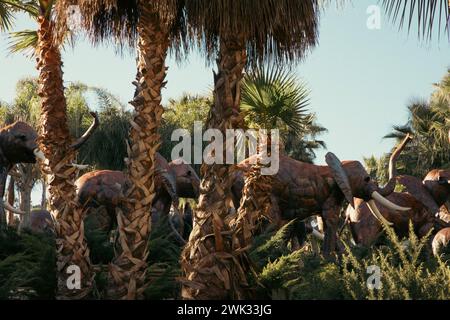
(361,80)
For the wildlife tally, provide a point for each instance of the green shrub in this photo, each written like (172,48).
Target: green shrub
(406,272)
(29,271)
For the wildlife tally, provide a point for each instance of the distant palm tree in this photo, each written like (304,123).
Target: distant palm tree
(273,98)
(429,123)
(237,33)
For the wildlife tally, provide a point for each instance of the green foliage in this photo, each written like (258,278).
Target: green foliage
(100,247)
(163,261)
(181,114)
(274,98)
(429,124)
(407,272)
(107,148)
(27,266)
(272,245)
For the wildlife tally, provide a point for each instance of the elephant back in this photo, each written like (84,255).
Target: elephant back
(416,188)
(104,187)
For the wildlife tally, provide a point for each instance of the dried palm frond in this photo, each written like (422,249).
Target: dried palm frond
(277,30)
(117,20)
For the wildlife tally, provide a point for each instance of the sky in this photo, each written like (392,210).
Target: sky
(361,80)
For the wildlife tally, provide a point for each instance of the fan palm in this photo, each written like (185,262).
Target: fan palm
(427,14)
(273,98)
(153,25)
(237,33)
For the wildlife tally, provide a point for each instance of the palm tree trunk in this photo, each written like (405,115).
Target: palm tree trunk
(128,270)
(55,142)
(25,206)
(44,195)
(11,199)
(255,207)
(209,267)
(25,185)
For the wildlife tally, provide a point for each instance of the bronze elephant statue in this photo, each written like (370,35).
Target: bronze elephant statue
(108,188)
(302,190)
(41,221)
(441,242)
(425,198)
(18,144)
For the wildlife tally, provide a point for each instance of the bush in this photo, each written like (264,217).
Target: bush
(27,266)
(407,271)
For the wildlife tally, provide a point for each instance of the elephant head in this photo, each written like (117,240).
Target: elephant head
(354,182)
(18,144)
(41,221)
(187,181)
(437,182)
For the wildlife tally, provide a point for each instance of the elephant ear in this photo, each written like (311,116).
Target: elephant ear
(340,176)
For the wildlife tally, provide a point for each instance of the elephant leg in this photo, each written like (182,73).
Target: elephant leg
(300,232)
(3,177)
(330,215)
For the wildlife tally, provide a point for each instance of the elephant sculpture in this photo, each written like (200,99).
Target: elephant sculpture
(108,188)
(425,198)
(302,190)
(17,145)
(441,242)
(41,221)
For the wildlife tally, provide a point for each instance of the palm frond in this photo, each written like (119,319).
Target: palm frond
(275,98)
(278,30)
(23,41)
(6,16)
(426,13)
(117,20)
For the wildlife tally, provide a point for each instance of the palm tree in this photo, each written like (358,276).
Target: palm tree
(56,143)
(273,98)
(426,13)
(154,24)
(238,33)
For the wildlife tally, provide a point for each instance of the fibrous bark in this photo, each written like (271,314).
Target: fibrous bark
(55,142)
(128,270)
(211,270)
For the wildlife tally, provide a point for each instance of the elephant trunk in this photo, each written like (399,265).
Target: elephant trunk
(390,186)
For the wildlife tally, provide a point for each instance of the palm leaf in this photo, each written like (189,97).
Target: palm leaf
(426,13)
(280,30)
(25,41)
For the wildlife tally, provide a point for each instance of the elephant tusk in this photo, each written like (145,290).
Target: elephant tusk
(10,208)
(80,166)
(317,234)
(39,154)
(388,204)
(377,214)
